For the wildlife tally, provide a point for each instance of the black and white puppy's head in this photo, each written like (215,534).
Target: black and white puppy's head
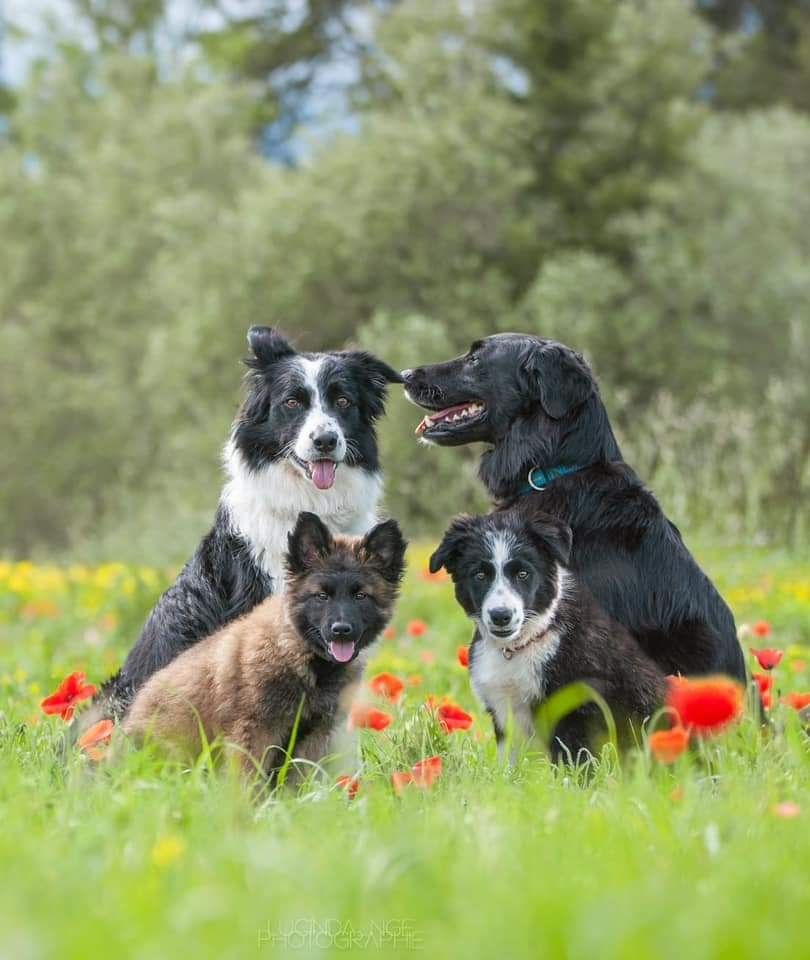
(313,410)
(341,590)
(534,400)
(509,572)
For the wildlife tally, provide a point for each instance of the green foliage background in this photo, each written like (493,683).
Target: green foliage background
(575,169)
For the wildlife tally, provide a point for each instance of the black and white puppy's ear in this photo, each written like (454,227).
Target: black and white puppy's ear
(267,346)
(559,378)
(373,376)
(384,548)
(449,550)
(308,542)
(554,535)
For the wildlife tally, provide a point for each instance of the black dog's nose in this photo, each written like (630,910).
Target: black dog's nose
(325,442)
(342,629)
(500,616)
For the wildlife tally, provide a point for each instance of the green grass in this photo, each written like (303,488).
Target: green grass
(148,860)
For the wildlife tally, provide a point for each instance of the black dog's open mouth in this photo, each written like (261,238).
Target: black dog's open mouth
(452,418)
(320,472)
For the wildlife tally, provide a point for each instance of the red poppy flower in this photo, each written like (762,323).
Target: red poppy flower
(705,705)
(761,628)
(389,633)
(787,811)
(388,686)
(417,628)
(427,772)
(768,658)
(463,654)
(764,682)
(438,577)
(453,718)
(401,779)
(350,785)
(799,701)
(363,717)
(72,690)
(95,737)
(667,745)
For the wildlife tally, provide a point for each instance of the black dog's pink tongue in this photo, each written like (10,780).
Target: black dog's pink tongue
(341,650)
(323,473)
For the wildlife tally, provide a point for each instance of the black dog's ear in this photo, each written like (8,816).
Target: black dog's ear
(384,547)
(555,535)
(447,553)
(309,541)
(374,375)
(267,346)
(558,377)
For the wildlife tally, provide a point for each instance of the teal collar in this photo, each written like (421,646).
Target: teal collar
(539,479)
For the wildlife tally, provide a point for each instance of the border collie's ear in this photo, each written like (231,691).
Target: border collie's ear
(267,345)
(308,542)
(558,377)
(375,375)
(446,554)
(554,535)
(384,548)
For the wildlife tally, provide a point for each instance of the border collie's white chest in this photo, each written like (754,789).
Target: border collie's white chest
(264,504)
(515,685)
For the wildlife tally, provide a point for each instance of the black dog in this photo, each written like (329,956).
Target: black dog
(552,448)
(538,629)
(303,440)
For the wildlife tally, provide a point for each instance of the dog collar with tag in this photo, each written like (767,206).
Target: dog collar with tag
(539,479)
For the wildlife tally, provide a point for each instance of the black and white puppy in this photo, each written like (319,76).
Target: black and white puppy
(551,447)
(538,629)
(303,440)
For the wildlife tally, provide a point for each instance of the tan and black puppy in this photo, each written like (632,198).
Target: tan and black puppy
(306,646)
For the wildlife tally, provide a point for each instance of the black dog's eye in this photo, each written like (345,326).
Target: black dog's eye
(523,574)
(480,575)
(292,403)
(322,596)
(359,595)
(343,402)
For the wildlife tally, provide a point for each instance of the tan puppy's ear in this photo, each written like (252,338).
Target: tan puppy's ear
(309,542)
(384,548)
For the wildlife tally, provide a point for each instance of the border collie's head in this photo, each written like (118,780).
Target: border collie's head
(341,591)
(314,410)
(508,571)
(536,401)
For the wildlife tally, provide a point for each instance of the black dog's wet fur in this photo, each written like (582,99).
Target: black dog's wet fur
(544,410)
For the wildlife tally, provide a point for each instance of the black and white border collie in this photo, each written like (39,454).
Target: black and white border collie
(303,440)
(535,403)
(538,630)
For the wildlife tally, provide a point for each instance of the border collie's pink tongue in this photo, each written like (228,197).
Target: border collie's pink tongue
(342,650)
(323,473)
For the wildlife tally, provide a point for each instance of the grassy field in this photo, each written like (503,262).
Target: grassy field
(707,858)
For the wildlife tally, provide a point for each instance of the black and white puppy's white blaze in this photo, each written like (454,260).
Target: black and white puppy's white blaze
(536,404)
(303,440)
(538,629)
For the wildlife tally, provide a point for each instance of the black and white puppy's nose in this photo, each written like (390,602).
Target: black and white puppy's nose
(406,374)
(325,442)
(500,616)
(342,629)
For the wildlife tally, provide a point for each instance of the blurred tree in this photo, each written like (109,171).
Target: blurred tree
(768,61)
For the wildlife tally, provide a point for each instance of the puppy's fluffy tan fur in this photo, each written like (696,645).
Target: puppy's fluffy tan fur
(244,684)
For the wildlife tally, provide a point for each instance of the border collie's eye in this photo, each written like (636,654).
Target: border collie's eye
(360,595)
(523,575)
(343,402)
(480,575)
(292,402)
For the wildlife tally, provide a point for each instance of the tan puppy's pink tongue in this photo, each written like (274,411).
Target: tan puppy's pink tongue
(323,473)
(341,650)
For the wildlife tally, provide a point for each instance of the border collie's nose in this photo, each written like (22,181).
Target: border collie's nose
(500,617)
(325,442)
(342,629)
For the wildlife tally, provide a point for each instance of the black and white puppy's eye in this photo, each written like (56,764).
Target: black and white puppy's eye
(481,575)
(523,574)
(343,402)
(292,402)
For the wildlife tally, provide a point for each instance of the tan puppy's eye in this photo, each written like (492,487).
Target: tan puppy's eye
(360,595)
(343,402)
